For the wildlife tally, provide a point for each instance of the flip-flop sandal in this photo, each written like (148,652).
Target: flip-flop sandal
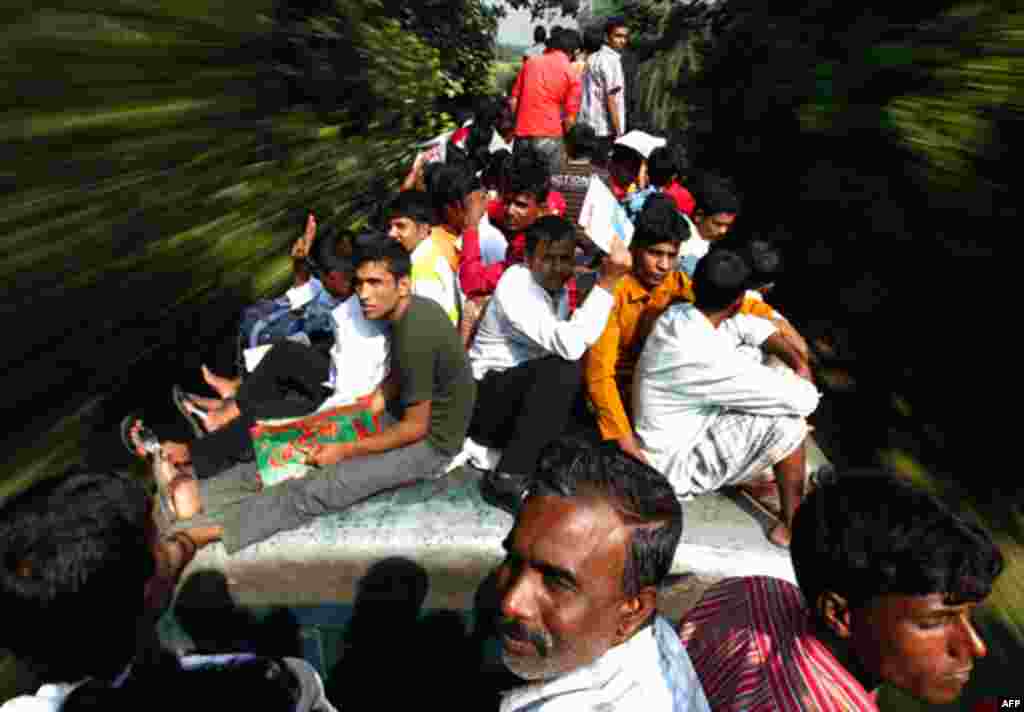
(147,440)
(189,410)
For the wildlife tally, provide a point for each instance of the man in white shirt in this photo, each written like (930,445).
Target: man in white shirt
(603,104)
(714,214)
(578,589)
(709,417)
(526,353)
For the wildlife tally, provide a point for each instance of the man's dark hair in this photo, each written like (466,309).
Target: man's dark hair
(565,40)
(625,162)
(659,221)
(548,228)
(593,38)
(529,174)
(713,195)
(74,561)
(641,495)
(378,247)
(665,162)
(413,204)
(869,533)
(539,34)
(765,262)
(581,141)
(450,185)
(721,277)
(431,172)
(496,171)
(331,251)
(613,23)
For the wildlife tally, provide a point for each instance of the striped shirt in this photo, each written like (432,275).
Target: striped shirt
(751,640)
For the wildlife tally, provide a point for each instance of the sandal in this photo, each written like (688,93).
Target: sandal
(139,444)
(190,411)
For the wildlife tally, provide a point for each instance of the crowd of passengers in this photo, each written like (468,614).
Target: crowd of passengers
(596,393)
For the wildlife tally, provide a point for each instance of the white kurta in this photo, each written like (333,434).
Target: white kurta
(628,678)
(688,374)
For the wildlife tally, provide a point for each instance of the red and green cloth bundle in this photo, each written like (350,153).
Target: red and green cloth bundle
(282,445)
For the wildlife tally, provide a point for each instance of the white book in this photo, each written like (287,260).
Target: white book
(602,218)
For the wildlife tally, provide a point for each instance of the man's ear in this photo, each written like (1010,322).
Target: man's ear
(405,286)
(635,611)
(834,612)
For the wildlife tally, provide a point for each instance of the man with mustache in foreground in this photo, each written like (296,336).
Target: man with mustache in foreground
(579,586)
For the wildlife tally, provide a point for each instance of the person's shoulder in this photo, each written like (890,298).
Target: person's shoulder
(515,279)
(423,310)
(680,285)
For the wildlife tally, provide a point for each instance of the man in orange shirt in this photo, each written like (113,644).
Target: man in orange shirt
(546,88)
(640,298)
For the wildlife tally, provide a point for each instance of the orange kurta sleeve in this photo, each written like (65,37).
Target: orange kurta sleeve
(757,307)
(599,376)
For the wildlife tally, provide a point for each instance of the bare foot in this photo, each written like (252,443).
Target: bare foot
(176,453)
(217,419)
(205,403)
(184,492)
(225,387)
(780,535)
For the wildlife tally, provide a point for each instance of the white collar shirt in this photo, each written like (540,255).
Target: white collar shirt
(359,356)
(688,373)
(524,322)
(602,78)
(627,678)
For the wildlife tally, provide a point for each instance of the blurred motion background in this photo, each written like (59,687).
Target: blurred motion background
(160,156)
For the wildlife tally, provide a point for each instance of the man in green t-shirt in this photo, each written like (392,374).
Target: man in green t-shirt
(428,395)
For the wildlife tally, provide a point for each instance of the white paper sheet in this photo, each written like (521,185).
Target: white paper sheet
(602,218)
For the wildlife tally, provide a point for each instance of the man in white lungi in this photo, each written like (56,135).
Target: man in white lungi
(709,417)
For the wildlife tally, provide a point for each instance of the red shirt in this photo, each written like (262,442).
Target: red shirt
(545,84)
(682,197)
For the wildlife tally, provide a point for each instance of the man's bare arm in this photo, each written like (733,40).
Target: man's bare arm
(413,427)
(778,345)
(612,102)
(792,336)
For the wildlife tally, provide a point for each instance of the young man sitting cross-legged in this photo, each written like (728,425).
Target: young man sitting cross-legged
(430,389)
(708,416)
(527,351)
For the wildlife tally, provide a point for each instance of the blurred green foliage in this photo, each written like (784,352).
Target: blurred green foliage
(159,158)
(873,138)
(875,141)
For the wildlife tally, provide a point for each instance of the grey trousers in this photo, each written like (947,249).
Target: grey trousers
(548,148)
(248,514)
